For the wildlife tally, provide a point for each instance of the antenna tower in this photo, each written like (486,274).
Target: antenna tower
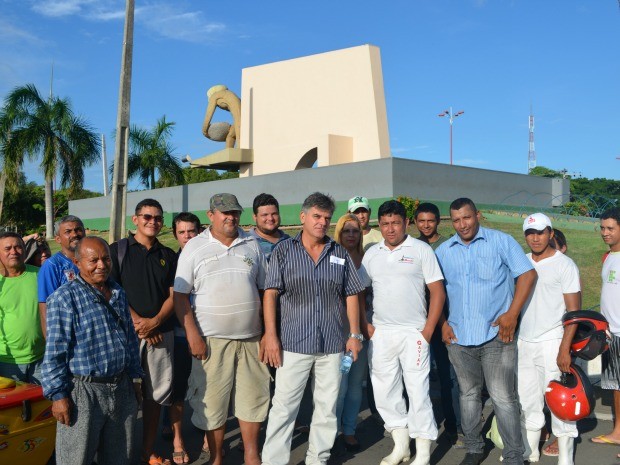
(531,154)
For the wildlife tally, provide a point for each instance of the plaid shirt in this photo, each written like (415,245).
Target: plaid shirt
(84,338)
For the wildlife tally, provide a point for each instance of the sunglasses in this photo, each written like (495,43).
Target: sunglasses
(148,217)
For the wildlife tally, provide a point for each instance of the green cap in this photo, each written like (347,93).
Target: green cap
(225,203)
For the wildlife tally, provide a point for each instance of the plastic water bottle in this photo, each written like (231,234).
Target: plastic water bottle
(346,362)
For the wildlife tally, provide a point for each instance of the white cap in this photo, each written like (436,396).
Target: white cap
(537,221)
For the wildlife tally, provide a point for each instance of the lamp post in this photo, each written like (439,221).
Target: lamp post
(451,118)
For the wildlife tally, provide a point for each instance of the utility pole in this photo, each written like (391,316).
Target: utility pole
(104,162)
(119,179)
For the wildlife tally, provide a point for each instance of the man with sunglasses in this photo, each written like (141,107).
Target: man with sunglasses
(145,269)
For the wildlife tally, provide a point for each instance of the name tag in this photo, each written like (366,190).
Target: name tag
(336,260)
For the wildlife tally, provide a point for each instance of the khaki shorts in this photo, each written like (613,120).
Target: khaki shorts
(231,371)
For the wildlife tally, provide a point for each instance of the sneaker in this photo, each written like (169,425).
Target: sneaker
(472,458)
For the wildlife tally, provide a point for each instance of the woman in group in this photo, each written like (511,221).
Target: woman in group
(349,234)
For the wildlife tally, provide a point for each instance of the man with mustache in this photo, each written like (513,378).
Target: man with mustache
(217,297)
(488,281)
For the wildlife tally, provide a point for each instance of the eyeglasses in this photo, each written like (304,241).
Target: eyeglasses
(351,231)
(148,217)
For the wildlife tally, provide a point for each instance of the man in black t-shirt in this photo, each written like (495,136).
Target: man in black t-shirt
(145,269)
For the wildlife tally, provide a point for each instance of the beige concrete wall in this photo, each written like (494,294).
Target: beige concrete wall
(332,102)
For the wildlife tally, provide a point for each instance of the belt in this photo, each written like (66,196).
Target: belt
(101,379)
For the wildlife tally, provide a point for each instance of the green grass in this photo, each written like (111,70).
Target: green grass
(585,246)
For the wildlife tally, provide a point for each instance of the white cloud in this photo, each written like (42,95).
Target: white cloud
(470,162)
(173,20)
(174,23)
(57,8)
(10,32)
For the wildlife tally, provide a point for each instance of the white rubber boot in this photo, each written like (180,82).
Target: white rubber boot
(422,452)
(401,452)
(566,447)
(530,441)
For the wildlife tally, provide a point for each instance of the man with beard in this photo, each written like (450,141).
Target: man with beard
(60,269)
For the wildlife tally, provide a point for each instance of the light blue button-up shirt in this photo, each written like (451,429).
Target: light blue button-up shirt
(480,280)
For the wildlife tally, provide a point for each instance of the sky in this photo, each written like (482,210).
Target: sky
(492,59)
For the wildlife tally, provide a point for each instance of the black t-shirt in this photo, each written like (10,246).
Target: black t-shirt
(146,276)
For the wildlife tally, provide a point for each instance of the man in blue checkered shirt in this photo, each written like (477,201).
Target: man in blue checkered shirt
(91,369)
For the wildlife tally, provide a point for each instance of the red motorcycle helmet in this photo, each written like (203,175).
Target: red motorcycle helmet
(591,338)
(571,398)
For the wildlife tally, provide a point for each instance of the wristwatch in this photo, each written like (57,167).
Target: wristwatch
(359,337)
(137,380)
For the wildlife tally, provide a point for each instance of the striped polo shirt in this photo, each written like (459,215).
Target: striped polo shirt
(479,279)
(312,295)
(224,283)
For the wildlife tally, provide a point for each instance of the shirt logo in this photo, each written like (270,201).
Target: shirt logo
(70,275)
(611,277)
(162,261)
(249,260)
(405,259)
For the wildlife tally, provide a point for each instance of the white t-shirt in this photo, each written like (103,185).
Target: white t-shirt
(541,319)
(610,292)
(398,280)
(224,283)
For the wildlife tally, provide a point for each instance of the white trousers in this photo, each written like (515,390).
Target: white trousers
(537,366)
(397,355)
(291,379)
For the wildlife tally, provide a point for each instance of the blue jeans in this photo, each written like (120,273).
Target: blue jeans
(493,362)
(26,372)
(350,393)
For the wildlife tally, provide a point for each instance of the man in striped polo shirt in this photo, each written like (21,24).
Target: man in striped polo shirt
(317,284)
(223,269)
(480,267)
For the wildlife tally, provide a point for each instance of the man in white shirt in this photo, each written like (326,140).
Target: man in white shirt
(223,269)
(400,267)
(543,345)
(610,308)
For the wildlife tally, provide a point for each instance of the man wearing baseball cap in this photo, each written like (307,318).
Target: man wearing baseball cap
(223,268)
(543,344)
(360,207)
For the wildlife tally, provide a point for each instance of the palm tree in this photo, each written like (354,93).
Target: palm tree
(150,151)
(34,127)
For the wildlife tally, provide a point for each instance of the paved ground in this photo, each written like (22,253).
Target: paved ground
(376,445)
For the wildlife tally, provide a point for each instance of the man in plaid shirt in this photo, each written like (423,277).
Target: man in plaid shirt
(91,369)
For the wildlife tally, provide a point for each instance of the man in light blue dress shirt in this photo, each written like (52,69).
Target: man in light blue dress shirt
(488,279)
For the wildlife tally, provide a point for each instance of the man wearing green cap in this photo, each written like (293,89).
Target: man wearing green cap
(223,269)
(360,207)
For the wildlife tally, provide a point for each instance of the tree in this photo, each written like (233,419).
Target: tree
(545,172)
(33,127)
(151,152)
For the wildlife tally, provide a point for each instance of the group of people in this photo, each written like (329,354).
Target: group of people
(239,322)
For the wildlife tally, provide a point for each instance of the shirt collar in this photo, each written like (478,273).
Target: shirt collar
(405,243)
(242,237)
(132,241)
(328,240)
(480,235)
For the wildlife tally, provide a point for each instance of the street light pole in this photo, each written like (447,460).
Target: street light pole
(451,118)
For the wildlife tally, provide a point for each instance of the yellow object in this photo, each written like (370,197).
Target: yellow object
(27,427)
(6,383)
